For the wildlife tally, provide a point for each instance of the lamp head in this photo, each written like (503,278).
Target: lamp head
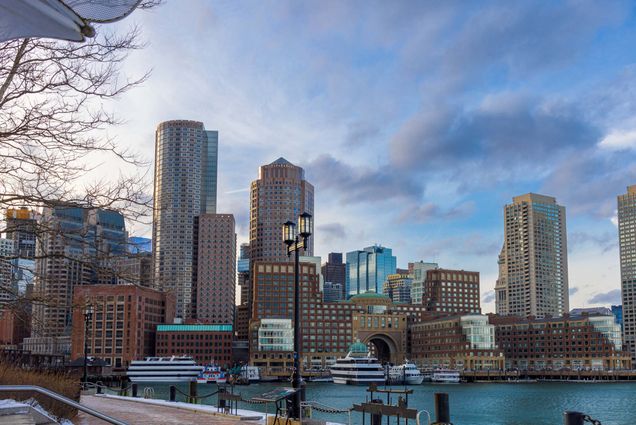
(289,233)
(305,225)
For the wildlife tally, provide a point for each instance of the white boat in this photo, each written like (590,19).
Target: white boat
(211,374)
(406,373)
(358,367)
(445,376)
(250,373)
(164,369)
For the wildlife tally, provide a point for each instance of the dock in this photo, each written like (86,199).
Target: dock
(549,375)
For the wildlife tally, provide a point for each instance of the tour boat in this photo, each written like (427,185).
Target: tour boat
(358,367)
(164,369)
(211,374)
(445,376)
(406,373)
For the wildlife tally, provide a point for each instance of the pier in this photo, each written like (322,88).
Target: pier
(548,375)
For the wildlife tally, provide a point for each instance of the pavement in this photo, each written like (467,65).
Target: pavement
(147,414)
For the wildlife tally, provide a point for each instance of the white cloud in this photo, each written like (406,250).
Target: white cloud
(619,140)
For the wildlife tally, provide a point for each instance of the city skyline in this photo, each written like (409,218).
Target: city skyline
(366,117)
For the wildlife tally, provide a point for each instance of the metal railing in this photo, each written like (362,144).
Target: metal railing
(62,399)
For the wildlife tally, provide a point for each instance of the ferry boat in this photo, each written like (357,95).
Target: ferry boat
(445,376)
(211,374)
(358,367)
(406,373)
(164,369)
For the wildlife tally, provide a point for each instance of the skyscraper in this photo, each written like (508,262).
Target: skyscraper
(280,194)
(627,244)
(185,188)
(418,271)
(334,271)
(21,228)
(367,270)
(216,277)
(533,263)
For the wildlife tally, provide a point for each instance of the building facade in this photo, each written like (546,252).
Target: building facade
(368,269)
(206,343)
(280,194)
(134,269)
(216,277)
(418,271)
(627,247)
(21,229)
(185,181)
(398,287)
(78,248)
(244,309)
(457,342)
(123,324)
(334,271)
(8,290)
(451,292)
(587,342)
(533,263)
(332,292)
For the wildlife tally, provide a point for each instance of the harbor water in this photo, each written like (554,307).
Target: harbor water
(470,404)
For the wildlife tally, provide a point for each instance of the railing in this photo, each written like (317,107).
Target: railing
(62,399)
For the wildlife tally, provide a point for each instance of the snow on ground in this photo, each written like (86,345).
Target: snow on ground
(10,403)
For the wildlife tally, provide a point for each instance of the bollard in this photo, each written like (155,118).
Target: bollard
(173,393)
(193,392)
(442,409)
(122,388)
(134,390)
(99,389)
(573,418)
(376,418)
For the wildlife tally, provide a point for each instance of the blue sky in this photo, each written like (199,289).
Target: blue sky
(415,121)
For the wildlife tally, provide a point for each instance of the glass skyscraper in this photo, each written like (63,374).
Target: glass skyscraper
(185,188)
(368,269)
(627,244)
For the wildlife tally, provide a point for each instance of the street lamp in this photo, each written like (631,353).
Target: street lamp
(295,242)
(88,315)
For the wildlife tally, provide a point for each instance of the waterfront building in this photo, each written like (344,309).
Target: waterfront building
(418,271)
(21,227)
(275,335)
(244,309)
(78,248)
(398,287)
(206,343)
(58,347)
(15,320)
(533,263)
(332,292)
(185,185)
(280,194)
(585,342)
(216,277)
(368,269)
(465,342)
(627,246)
(451,292)
(617,311)
(600,311)
(334,271)
(122,326)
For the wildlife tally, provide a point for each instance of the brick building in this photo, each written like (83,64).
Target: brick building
(207,344)
(569,342)
(457,342)
(122,327)
(451,292)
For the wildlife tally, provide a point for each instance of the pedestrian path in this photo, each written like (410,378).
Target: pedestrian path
(148,414)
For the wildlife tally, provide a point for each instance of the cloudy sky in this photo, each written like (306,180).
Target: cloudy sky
(415,121)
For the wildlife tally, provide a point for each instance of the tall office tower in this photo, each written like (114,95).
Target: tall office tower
(533,264)
(418,271)
(216,277)
(21,228)
(627,243)
(244,310)
(185,188)
(334,271)
(280,194)
(78,247)
(367,270)
(8,291)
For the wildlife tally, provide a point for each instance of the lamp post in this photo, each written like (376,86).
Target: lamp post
(88,314)
(295,242)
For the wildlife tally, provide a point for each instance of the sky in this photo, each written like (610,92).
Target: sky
(415,121)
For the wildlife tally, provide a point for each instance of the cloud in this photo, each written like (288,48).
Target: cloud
(619,140)
(488,297)
(474,244)
(430,211)
(605,241)
(357,184)
(330,231)
(609,297)
(573,291)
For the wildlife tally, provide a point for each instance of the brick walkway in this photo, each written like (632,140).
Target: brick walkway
(147,414)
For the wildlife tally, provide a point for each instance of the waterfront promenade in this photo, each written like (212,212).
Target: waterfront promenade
(143,413)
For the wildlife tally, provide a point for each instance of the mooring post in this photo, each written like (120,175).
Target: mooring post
(376,418)
(134,390)
(193,392)
(573,418)
(442,409)
(122,388)
(173,393)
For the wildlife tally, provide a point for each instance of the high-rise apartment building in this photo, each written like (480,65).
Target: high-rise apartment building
(216,277)
(334,271)
(367,270)
(21,228)
(78,247)
(627,244)
(185,188)
(280,194)
(533,263)
(8,291)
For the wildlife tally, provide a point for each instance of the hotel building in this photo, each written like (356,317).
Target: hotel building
(206,343)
